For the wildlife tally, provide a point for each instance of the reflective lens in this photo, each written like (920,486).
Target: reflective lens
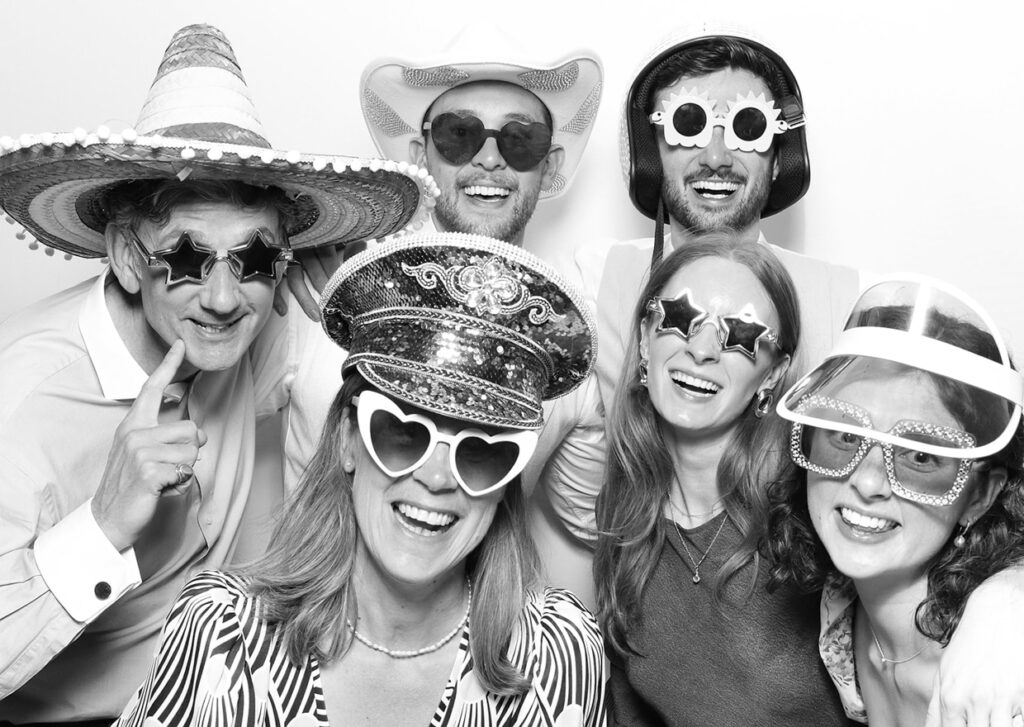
(690,119)
(749,124)
(400,442)
(741,331)
(459,138)
(189,261)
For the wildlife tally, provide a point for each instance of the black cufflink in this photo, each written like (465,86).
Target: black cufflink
(102,590)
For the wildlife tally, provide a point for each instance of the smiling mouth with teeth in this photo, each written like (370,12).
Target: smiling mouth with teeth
(693,384)
(423,522)
(714,188)
(866,523)
(213,327)
(486,192)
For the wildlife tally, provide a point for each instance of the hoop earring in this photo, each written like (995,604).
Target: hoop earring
(763,403)
(642,368)
(961,537)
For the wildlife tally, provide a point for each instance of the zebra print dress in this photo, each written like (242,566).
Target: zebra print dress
(219,664)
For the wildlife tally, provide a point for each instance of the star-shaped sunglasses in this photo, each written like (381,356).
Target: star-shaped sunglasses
(458,139)
(742,331)
(189,261)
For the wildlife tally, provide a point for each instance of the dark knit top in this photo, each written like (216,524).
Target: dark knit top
(732,664)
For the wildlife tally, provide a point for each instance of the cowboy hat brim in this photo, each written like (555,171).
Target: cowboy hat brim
(396,94)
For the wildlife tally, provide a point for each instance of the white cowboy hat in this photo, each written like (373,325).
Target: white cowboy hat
(396,93)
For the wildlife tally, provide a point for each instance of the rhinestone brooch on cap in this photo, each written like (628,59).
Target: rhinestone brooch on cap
(489,287)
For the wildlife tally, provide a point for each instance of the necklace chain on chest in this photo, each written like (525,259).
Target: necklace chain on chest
(412,653)
(697,563)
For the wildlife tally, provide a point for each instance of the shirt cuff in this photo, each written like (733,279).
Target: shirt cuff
(82,569)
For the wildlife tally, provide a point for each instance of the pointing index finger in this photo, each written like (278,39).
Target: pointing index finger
(147,405)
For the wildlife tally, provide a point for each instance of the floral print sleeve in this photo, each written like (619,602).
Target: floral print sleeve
(835,644)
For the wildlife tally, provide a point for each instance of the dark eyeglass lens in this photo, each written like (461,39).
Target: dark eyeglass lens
(187,261)
(689,119)
(749,124)
(259,258)
(484,464)
(457,138)
(524,145)
(397,444)
(743,334)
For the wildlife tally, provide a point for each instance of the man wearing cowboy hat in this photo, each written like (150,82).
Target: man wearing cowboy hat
(714,139)
(129,402)
(497,136)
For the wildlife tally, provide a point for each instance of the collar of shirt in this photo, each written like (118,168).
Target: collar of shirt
(121,378)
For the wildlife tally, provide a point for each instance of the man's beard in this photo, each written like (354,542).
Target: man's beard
(737,218)
(504,225)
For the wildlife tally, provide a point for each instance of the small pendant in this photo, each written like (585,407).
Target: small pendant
(696,578)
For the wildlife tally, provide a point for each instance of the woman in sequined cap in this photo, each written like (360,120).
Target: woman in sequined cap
(400,584)
(908,496)
(693,635)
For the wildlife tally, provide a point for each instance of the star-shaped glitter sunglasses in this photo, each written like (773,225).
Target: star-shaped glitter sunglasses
(188,261)
(742,331)
(689,119)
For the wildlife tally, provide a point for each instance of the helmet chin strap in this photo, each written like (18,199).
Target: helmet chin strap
(659,234)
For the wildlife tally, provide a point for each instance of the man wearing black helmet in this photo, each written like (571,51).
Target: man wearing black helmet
(713,140)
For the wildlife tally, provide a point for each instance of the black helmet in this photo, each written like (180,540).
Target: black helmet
(641,162)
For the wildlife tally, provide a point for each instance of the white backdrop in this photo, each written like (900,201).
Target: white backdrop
(913,111)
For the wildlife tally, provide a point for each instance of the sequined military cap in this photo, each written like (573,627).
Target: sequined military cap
(462,325)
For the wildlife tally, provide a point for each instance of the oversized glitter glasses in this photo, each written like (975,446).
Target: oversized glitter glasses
(742,331)
(914,475)
(192,262)
(459,138)
(399,443)
(751,123)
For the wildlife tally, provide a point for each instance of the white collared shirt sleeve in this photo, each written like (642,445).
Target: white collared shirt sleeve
(82,569)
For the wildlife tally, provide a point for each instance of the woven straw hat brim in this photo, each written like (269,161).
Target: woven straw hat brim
(638,149)
(395,94)
(53,185)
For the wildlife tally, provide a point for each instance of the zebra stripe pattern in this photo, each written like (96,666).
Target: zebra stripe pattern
(219,664)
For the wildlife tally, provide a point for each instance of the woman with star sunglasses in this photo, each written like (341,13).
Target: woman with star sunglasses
(693,634)
(400,586)
(909,492)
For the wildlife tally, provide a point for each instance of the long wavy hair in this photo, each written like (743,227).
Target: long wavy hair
(639,472)
(304,581)
(797,556)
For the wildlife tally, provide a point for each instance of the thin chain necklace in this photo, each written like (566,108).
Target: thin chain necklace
(886,659)
(412,653)
(697,563)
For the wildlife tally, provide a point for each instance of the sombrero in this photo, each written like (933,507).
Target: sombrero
(199,122)
(395,93)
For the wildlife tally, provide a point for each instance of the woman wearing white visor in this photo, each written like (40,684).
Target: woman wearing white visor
(910,438)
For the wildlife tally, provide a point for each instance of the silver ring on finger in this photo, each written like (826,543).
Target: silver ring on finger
(184,473)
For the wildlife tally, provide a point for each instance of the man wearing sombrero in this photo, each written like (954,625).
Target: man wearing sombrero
(498,132)
(129,402)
